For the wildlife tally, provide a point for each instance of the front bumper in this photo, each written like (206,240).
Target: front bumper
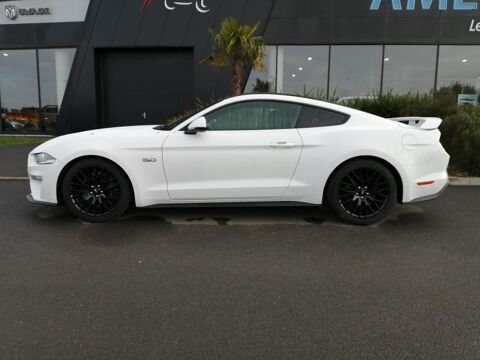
(43,181)
(33,201)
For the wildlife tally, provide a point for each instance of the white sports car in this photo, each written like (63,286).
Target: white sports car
(254,149)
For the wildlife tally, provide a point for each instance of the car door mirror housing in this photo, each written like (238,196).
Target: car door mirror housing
(196,126)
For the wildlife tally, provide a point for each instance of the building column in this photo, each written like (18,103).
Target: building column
(280,64)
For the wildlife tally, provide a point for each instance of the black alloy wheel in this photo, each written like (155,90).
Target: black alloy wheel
(362,192)
(96,190)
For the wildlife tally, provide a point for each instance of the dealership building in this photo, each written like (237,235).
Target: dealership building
(73,65)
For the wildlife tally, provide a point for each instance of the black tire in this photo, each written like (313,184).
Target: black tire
(362,192)
(96,190)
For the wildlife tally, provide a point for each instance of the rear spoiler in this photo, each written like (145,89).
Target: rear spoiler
(423,123)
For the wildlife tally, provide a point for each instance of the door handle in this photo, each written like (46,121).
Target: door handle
(282,145)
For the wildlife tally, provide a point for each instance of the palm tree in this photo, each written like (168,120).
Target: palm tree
(236,45)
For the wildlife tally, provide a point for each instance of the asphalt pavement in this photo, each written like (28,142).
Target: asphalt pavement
(274,283)
(13,160)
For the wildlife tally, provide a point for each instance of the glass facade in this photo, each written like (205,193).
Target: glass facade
(54,65)
(459,64)
(337,72)
(409,68)
(355,71)
(19,96)
(32,85)
(264,81)
(303,70)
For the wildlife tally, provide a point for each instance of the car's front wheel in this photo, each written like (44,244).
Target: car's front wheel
(362,192)
(96,190)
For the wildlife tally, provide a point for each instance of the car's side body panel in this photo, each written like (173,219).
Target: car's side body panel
(138,152)
(231,165)
(327,148)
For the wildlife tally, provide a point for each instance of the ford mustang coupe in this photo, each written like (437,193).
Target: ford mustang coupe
(253,149)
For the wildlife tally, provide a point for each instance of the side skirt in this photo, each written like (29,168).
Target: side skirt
(233,205)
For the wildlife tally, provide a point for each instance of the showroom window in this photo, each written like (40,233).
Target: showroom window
(54,65)
(264,81)
(255,115)
(303,70)
(32,85)
(459,64)
(355,71)
(409,68)
(19,90)
(366,70)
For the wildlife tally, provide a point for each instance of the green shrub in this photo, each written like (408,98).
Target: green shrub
(413,104)
(461,139)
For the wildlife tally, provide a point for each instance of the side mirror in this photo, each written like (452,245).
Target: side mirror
(196,126)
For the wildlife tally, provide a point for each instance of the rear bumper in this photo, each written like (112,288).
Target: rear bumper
(429,197)
(426,181)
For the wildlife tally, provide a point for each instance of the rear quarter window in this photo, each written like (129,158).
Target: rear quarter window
(313,117)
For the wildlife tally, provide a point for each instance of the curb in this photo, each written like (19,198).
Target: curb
(464,181)
(27,136)
(13,178)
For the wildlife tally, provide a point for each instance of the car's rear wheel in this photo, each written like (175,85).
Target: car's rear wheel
(96,190)
(362,192)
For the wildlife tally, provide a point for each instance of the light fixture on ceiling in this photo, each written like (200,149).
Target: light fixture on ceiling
(300,69)
(465,60)
(294,75)
(387,59)
(310,58)
(5,54)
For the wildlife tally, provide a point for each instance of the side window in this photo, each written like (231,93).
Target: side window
(312,117)
(255,115)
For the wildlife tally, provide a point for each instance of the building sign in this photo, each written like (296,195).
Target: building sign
(12,12)
(426,5)
(467,99)
(172,5)
(399,5)
(43,11)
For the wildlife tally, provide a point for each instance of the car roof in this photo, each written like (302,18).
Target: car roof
(288,98)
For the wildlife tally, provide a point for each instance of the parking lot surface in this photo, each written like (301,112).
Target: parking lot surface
(240,283)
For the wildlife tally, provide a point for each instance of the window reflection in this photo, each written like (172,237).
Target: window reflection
(303,70)
(264,81)
(459,64)
(409,68)
(355,71)
(23,108)
(19,91)
(55,65)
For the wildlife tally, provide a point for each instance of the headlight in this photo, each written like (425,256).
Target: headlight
(43,159)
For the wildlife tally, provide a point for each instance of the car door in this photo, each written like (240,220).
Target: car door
(249,152)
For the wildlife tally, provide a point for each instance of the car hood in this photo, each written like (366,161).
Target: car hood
(109,138)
